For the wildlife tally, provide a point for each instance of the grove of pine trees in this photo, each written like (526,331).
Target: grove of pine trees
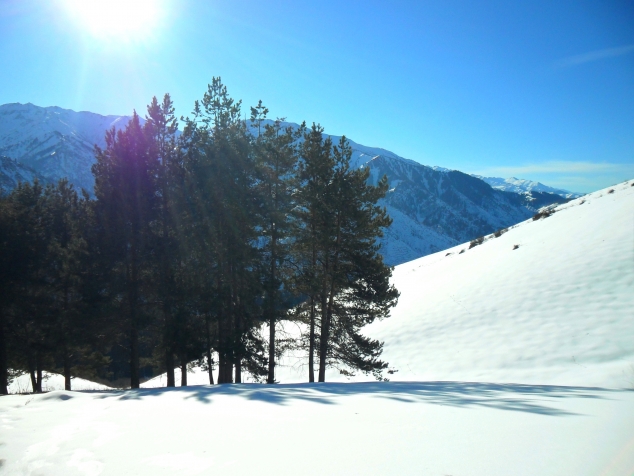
(195,246)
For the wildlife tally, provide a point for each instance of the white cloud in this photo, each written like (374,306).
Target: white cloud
(594,56)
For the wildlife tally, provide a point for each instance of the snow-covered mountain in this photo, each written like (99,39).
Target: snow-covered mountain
(54,142)
(433,208)
(516,185)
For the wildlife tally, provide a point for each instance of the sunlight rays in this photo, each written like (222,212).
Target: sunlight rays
(118,20)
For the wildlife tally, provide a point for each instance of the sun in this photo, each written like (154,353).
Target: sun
(116,19)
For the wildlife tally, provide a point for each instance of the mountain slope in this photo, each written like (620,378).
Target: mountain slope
(434,208)
(447,204)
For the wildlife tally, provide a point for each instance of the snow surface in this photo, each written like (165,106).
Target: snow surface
(557,310)
(432,428)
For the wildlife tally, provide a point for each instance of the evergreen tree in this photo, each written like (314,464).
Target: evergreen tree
(124,209)
(66,216)
(29,305)
(346,280)
(161,127)
(277,156)
(315,174)
(223,205)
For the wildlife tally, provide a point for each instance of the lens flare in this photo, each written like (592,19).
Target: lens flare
(117,19)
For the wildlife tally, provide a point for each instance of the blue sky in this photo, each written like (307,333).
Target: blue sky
(541,90)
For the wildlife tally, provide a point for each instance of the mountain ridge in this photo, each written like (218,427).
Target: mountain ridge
(433,208)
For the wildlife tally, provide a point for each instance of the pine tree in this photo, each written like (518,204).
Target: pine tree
(222,226)
(315,173)
(346,279)
(124,208)
(29,304)
(277,156)
(66,217)
(161,127)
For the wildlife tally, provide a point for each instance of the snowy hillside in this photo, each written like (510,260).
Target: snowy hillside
(52,381)
(516,185)
(429,429)
(557,309)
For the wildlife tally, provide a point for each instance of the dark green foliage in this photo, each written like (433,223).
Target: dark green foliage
(193,244)
(276,154)
(125,208)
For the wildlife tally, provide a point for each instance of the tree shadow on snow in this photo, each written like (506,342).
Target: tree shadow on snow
(513,397)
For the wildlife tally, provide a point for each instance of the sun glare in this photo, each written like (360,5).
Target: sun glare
(116,19)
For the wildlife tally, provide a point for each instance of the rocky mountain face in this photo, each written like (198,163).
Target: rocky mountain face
(432,208)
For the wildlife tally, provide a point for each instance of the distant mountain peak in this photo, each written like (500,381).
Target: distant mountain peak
(513,184)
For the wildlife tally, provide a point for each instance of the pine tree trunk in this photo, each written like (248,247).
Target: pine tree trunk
(210,368)
(134,332)
(238,372)
(323,338)
(271,307)
(169,365)
(167,315)
(134,357)
(311,342)
(4,370)
(225,369)
(311,345)
(327,300)
(38,363)
(183,372)
(67,384)
(31,365)
(271,376)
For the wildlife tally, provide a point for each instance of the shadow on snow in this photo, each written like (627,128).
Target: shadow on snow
(513,397)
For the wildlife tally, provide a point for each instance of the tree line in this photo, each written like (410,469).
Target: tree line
(196,245)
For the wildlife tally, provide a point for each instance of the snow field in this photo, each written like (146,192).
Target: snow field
(377,428)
